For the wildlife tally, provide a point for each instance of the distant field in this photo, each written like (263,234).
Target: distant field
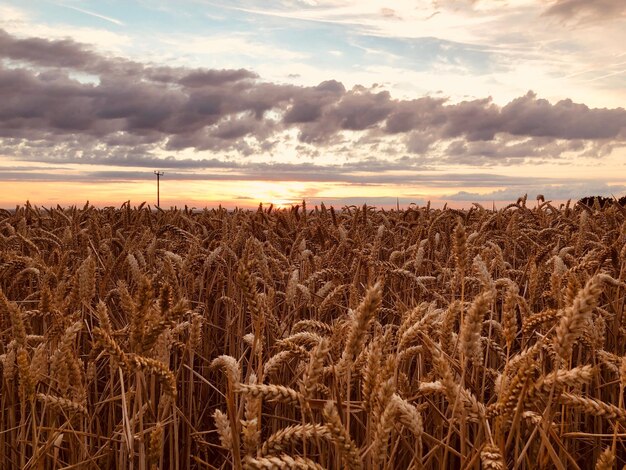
(313,338)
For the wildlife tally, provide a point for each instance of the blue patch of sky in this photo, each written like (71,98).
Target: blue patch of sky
(421,53)
(64,13)
(136,16)
(317,40)
(325,45)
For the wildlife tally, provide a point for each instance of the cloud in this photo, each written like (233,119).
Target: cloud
(246,44)
(587,9)
(509,150)
(59,53)
(94,14)
(571,190)
(202,78)
(371,172)
(134,112)
(21,21)
(419,184)
(528,115)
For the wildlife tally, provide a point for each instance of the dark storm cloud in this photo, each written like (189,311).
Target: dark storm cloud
(125,111)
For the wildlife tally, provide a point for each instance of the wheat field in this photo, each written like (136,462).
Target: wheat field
(313,338)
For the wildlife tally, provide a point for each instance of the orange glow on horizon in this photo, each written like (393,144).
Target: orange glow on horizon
(199,194)
(242,194)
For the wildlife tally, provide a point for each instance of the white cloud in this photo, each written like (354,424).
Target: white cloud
(234,45)
(527,49)
(93,13)
(22,22)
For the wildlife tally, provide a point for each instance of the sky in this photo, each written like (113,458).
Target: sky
(335,101)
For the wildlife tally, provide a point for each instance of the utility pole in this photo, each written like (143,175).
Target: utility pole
(158,175)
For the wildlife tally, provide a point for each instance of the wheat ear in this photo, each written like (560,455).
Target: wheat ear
(575,317)
(360,324)
(281,462)
(341,436)
(491,458)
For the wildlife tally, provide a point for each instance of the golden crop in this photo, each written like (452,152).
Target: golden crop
(313,338)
